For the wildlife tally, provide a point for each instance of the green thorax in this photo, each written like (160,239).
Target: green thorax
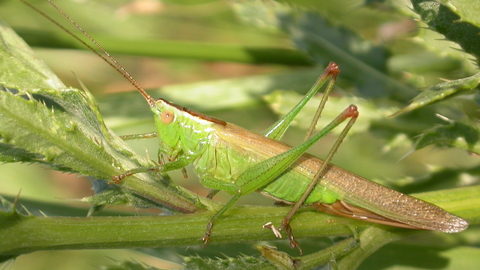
(182,132)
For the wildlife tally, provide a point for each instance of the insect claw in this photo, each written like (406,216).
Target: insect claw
(184,172)
(205,240)
(206,237)
(293,242)
(117,179)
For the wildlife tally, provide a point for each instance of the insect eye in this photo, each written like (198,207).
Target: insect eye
(167,117)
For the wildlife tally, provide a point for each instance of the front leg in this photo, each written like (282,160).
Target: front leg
(139,136)
(178,164)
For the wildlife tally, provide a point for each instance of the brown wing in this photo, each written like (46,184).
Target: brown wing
(369,201)
(359,198)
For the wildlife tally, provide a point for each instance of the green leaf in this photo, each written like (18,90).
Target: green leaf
(281,260)
(442,91)
(18,61)
(442,19)
(467,10)
(461,134)
(42,121)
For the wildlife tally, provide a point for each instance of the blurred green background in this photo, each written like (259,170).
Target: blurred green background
(369,153)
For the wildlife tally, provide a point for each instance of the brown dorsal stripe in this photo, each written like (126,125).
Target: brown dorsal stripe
(196,114)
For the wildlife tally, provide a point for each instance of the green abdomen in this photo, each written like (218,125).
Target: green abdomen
(290,189)
(228,164)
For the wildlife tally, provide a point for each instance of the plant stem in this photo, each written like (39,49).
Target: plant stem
(24,234)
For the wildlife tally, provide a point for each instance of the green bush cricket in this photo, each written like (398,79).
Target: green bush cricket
(229,158)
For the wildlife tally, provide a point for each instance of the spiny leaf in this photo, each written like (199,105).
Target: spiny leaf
(443,50)
(281,260)
(19,60)
(467,10)
(433,39)
(442,91)
(45,122)
(241,262)
(114,195)
(54,135)
(460,134)
(443,20)
(10,153)
(7,206)
(9,216)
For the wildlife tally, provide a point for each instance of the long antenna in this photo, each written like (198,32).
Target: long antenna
(106,57)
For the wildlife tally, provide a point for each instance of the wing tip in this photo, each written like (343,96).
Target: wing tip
(455,225)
